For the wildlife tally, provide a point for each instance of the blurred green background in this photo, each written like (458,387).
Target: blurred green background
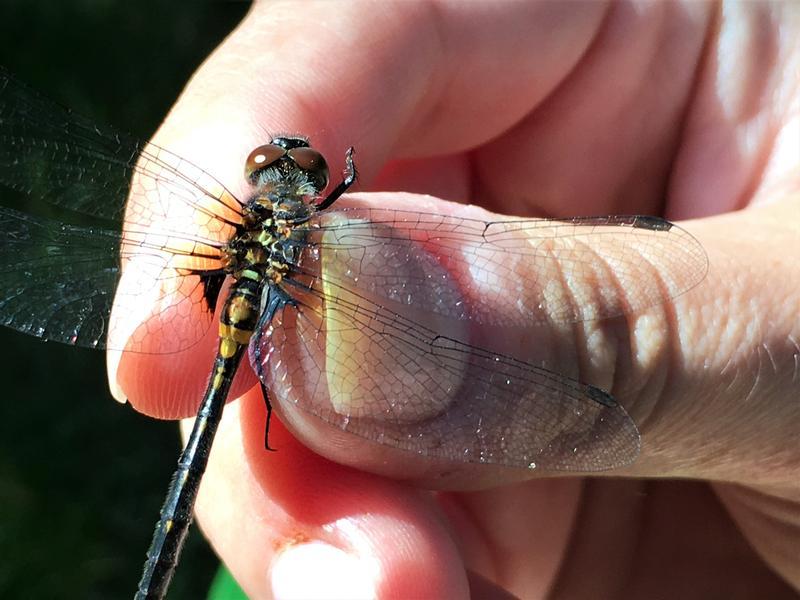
(82,477)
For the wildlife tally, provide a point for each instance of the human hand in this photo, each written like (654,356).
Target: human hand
(535,110)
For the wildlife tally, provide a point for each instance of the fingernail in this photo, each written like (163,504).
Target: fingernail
(320,572)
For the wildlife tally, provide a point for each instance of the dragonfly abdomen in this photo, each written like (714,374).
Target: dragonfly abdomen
(239,315)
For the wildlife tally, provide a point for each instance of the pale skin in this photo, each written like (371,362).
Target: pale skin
(690,111)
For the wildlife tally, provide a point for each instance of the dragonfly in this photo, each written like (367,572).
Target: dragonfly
(379,321)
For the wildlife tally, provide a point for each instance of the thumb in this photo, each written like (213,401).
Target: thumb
(461,337)
(706,372)
(714,385)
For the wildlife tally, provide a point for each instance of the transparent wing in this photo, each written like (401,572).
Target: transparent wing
(395,313)
(512,273)
(391,379)
(70,273)
(58,281)
(51,153)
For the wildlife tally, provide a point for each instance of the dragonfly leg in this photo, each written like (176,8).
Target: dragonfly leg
(348,178)
(273,299)
(268,404)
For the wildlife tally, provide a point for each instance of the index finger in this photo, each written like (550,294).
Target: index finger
(383,100)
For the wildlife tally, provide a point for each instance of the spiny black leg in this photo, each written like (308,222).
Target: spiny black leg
(269,417)
(348,178)
(274,299)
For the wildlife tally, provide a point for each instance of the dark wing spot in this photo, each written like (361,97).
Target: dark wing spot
(652,223)
(601,396)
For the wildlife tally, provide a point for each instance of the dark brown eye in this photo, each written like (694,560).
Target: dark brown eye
(262,157)
(313,162)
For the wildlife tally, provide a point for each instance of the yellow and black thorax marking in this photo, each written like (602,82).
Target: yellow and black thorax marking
(260,255)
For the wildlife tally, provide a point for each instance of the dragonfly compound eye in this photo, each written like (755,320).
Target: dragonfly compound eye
(261,158)
(313,163)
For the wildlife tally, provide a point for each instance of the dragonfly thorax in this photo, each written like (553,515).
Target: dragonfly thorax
(269,239)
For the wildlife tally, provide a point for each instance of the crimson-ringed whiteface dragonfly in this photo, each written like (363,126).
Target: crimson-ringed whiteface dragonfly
(375,320)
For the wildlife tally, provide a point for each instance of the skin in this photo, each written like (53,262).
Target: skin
(533,109)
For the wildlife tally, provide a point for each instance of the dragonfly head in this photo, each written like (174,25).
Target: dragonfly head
(285,155)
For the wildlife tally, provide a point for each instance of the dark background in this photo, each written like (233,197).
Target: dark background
(82,477)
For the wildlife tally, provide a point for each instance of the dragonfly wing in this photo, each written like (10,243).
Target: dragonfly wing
(51,153)
(511,273)
(396,312)
(143,222)
(70,272)
(59,283)
(392,379)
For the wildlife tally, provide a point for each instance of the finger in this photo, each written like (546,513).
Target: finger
(393,73)
(722,402)
(289,522)
(739,134)
(708,377)
(604,140)
(497,298)
(259,82)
